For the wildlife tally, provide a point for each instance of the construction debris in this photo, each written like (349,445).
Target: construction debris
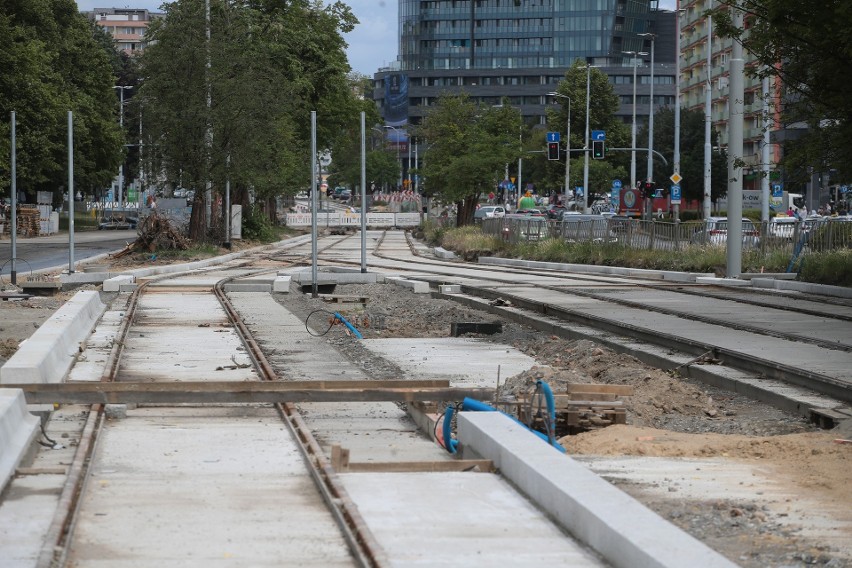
(155,232)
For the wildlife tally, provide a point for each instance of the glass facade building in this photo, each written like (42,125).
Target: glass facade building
(513,34)
(516,51)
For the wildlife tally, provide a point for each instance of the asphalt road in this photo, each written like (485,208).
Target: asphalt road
(41,253)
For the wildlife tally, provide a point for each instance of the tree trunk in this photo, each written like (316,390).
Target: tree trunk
(198,218)
(465,210)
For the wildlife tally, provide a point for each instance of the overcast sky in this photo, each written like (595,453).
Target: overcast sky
(372,45)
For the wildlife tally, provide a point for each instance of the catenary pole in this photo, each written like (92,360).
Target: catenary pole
(735,152)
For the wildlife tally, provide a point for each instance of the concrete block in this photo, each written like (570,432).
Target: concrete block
(49,352)
(773,275)
(416,286)
(114,284)
(622,530)
(18,429)
(822,289)
(127,288)
(450,288)
(281,283)
(115,411)
(444,253)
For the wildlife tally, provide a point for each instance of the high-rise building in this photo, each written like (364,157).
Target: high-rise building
(516,51)
(695,80)
(127,25)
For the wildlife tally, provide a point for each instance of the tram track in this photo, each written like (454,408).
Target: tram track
(479,279)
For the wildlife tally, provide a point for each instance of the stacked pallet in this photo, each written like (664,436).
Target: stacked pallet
(28,221)
(583,407)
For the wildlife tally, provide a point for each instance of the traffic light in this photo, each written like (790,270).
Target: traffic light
(648,189)
(598,150)
(553,150)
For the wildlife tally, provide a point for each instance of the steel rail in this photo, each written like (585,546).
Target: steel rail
(362,543)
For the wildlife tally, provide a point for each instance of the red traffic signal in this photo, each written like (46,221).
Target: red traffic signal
(553,150)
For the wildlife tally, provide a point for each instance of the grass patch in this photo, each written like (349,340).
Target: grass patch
(834,268)
(469,242)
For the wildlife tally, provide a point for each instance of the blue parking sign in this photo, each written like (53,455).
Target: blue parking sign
(675,194)
(777,190)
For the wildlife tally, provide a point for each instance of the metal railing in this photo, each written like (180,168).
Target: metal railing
(812,235)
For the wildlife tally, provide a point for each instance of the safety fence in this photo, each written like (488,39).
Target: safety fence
(348,218)
(797,237)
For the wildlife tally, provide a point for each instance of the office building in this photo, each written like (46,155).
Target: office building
(516,51)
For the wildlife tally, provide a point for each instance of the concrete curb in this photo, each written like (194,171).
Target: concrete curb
(49,353)
(594,269)
(416,286)
(625,532)
(18,429)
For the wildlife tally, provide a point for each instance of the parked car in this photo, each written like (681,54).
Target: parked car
(530,212)
(555,211)
(783,227)
(714,231)
(488,212)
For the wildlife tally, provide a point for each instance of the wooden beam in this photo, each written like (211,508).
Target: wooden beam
(245,392)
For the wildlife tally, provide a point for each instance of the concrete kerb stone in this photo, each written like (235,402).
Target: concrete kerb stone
(594,269)
(416,286)
(114,284)
(18,429)
(444,253)
(281,284)
(625,532)
(822,289)
(49,352)
(732,282)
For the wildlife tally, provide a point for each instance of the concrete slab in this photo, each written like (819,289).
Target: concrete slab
(462,361)
(248,287)
(49,353)
(18,429)
(625,532)
(202,486)
(463,519)
(449,289)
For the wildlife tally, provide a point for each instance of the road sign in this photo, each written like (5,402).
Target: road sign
(553,137)
(598,135)
(844,188)
(675,195)
(777,190)
(616,184)
(675,177)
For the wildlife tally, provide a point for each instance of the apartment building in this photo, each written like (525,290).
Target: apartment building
(126,25)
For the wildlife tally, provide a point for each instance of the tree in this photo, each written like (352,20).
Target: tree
(691,154)
(52,64)
(603,104)
(270,64)
(467,149)
(802,44)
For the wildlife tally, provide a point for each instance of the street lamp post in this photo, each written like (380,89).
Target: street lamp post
(651,116)
(586,144)
(121,89)
(635,55)
(567,148)
(397,152)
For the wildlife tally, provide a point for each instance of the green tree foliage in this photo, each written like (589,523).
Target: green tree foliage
(805,44)
(271,64)
(603,104)
(51,64)
(691,154)
(467,148)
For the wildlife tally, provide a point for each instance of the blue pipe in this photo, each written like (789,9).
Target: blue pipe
(449,443)
(349,325)
(474,405)
(551,410)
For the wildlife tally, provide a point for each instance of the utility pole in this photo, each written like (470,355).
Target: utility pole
(735,152)
(708,120)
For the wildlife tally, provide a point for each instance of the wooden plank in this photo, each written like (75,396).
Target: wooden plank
(484,466)
(238,392)
(41,471)
(584,396)
(343,299)
(620,390)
